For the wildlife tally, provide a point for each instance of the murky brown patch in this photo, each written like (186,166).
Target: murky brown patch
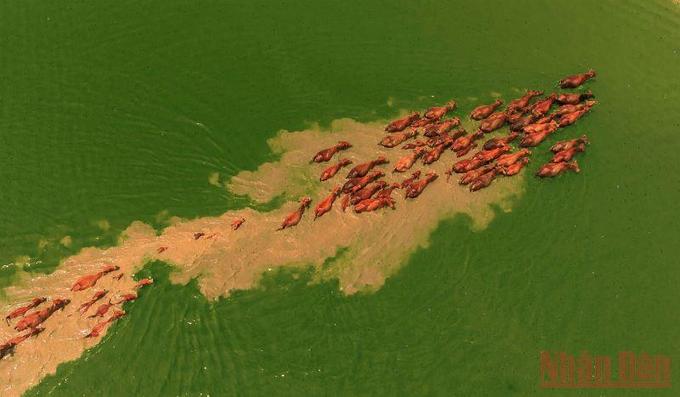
(375,244)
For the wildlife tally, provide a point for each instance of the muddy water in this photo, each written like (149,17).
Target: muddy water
(120,112)
(223,260)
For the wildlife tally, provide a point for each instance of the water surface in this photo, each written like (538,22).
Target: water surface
(118,111)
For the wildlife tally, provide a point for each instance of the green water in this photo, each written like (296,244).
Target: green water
(117,111)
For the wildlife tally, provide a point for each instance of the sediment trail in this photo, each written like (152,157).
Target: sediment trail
(374,245)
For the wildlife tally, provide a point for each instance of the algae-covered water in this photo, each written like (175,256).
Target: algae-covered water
(115,111)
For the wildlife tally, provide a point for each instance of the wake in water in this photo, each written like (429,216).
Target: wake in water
(232,251)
